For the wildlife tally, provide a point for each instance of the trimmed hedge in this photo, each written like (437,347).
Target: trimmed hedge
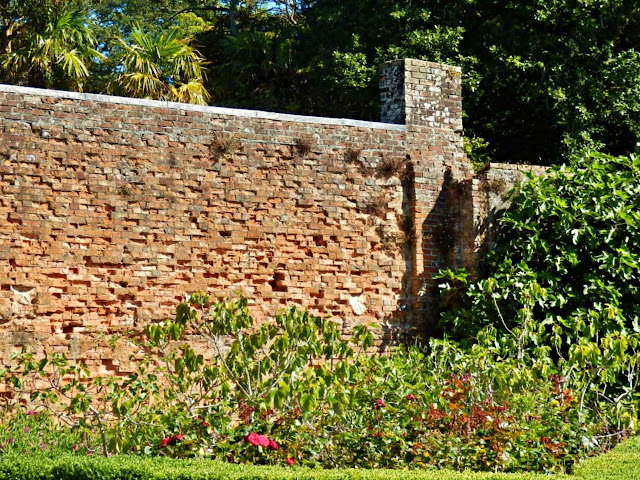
(621,463)
(69,467)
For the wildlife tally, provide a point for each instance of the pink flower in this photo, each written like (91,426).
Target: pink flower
(179,437)
(26,429)
(380,403)
(263,440)
(257,440)
(290,460)
(31,412)
(411,396)
(273,445)
(253,438)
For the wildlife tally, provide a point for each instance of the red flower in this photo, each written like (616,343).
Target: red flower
(380,403)
(290,460)
(179,437)
(257,440)
(411,396)
(165,441)
(273,445)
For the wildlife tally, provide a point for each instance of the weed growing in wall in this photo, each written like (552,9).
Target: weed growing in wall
(303,146)
(224,145)
(352,155)
(391,166)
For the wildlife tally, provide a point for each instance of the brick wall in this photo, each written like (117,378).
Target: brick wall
(488,191)
(113,209)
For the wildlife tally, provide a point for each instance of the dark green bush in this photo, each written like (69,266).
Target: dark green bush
(563,283)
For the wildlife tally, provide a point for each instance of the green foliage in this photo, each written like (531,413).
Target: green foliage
(258,71)
(49,44)
(446,408)
(562,282)
(31,432)
(476,150)
(344,43)
(292,390)
(161,67)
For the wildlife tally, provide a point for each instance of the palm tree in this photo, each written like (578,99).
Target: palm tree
(161,67)
(51,45)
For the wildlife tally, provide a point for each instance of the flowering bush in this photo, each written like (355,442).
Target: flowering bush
(293,392)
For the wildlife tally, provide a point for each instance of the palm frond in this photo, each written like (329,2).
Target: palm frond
(191,92)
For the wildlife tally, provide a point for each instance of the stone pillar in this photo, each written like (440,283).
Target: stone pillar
(427,98)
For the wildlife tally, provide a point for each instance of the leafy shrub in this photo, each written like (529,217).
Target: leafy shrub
(294,392)
(563,283)
(31,432)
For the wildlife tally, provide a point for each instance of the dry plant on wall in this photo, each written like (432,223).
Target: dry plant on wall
(352,155)
(303,146)
(224,144)
(392,167)
(499,186)
(124,191)
(391,240)
(405,223)
(377,206)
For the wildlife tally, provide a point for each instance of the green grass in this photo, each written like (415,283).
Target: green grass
(622,463)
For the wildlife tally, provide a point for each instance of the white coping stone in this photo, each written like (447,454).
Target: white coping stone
(238,112)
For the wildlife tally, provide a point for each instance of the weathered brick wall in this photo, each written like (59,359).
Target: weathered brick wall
(427,97)
(113,209)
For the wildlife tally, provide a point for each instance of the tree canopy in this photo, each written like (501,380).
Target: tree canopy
(544,80)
